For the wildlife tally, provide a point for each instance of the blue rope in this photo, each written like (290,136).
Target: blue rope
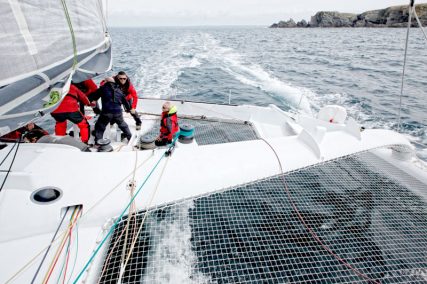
(117,221)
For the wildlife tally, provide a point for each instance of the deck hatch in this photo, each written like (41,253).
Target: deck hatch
(361,207)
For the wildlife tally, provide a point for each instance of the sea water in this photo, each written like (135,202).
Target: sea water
(296,69)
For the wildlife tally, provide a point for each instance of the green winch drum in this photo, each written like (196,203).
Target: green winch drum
(186,133)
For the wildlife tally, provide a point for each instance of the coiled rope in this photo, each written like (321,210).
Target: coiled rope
(309,229)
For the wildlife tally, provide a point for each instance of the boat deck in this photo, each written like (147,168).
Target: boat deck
(276,230)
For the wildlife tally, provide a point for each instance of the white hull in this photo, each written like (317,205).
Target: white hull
(99,181)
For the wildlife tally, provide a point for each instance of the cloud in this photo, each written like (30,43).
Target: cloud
(229,12)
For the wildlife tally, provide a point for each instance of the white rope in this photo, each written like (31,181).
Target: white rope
(404,64)
(419,23)
(122,268)
(132,210)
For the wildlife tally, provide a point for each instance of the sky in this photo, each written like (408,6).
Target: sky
(230,12)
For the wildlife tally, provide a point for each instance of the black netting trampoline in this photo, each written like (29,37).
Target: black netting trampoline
(362,208)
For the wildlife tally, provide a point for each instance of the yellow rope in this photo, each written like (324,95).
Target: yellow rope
(73,38)
(59,250)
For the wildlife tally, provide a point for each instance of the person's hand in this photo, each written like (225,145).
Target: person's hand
(132,111)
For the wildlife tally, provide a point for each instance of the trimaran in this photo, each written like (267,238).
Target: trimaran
(253,195)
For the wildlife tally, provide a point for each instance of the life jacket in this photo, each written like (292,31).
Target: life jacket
(169,124)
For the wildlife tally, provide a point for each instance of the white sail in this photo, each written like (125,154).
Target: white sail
(43,44)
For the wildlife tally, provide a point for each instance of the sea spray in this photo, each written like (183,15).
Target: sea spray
(171,258)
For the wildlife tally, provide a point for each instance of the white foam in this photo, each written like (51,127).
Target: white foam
(254,75)
(162,68)
(171,259)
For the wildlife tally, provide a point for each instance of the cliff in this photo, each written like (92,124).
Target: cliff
(396,16)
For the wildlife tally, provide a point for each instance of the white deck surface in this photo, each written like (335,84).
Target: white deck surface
(98,181)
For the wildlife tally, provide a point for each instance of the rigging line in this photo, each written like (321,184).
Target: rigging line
(11,164)
(115,187)
(24,267)
(63,264)
(77,250)
(419,23)
(55,259)
(143,220)
(309,229)
(132,209)
(74,221)
(117,241)
(103,18)
(67,255)
(50,245)
(226,115)
(117,221)
(404,63)
(106,12)
(61,245)
(10,151)
(70,27)
(107,259)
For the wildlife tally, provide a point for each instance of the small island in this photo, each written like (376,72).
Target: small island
(396,16)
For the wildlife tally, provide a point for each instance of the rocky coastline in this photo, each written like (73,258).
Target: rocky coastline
(395,17)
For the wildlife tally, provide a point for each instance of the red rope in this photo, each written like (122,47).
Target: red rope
(63,244)
(312,233)
(68,254)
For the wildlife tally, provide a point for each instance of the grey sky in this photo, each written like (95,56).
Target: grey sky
(230,12)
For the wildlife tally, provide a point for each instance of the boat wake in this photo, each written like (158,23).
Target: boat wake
(171,259)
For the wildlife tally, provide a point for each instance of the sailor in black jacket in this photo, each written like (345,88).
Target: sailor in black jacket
(112,99)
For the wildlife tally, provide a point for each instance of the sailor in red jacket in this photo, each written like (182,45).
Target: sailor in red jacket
(168,124)
(127,88)
(68,109)
(87,87)
(30,133)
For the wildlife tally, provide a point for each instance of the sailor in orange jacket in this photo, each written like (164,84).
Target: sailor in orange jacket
(68,109)
(168,124)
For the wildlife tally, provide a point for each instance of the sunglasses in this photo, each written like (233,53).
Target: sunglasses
(121,79)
